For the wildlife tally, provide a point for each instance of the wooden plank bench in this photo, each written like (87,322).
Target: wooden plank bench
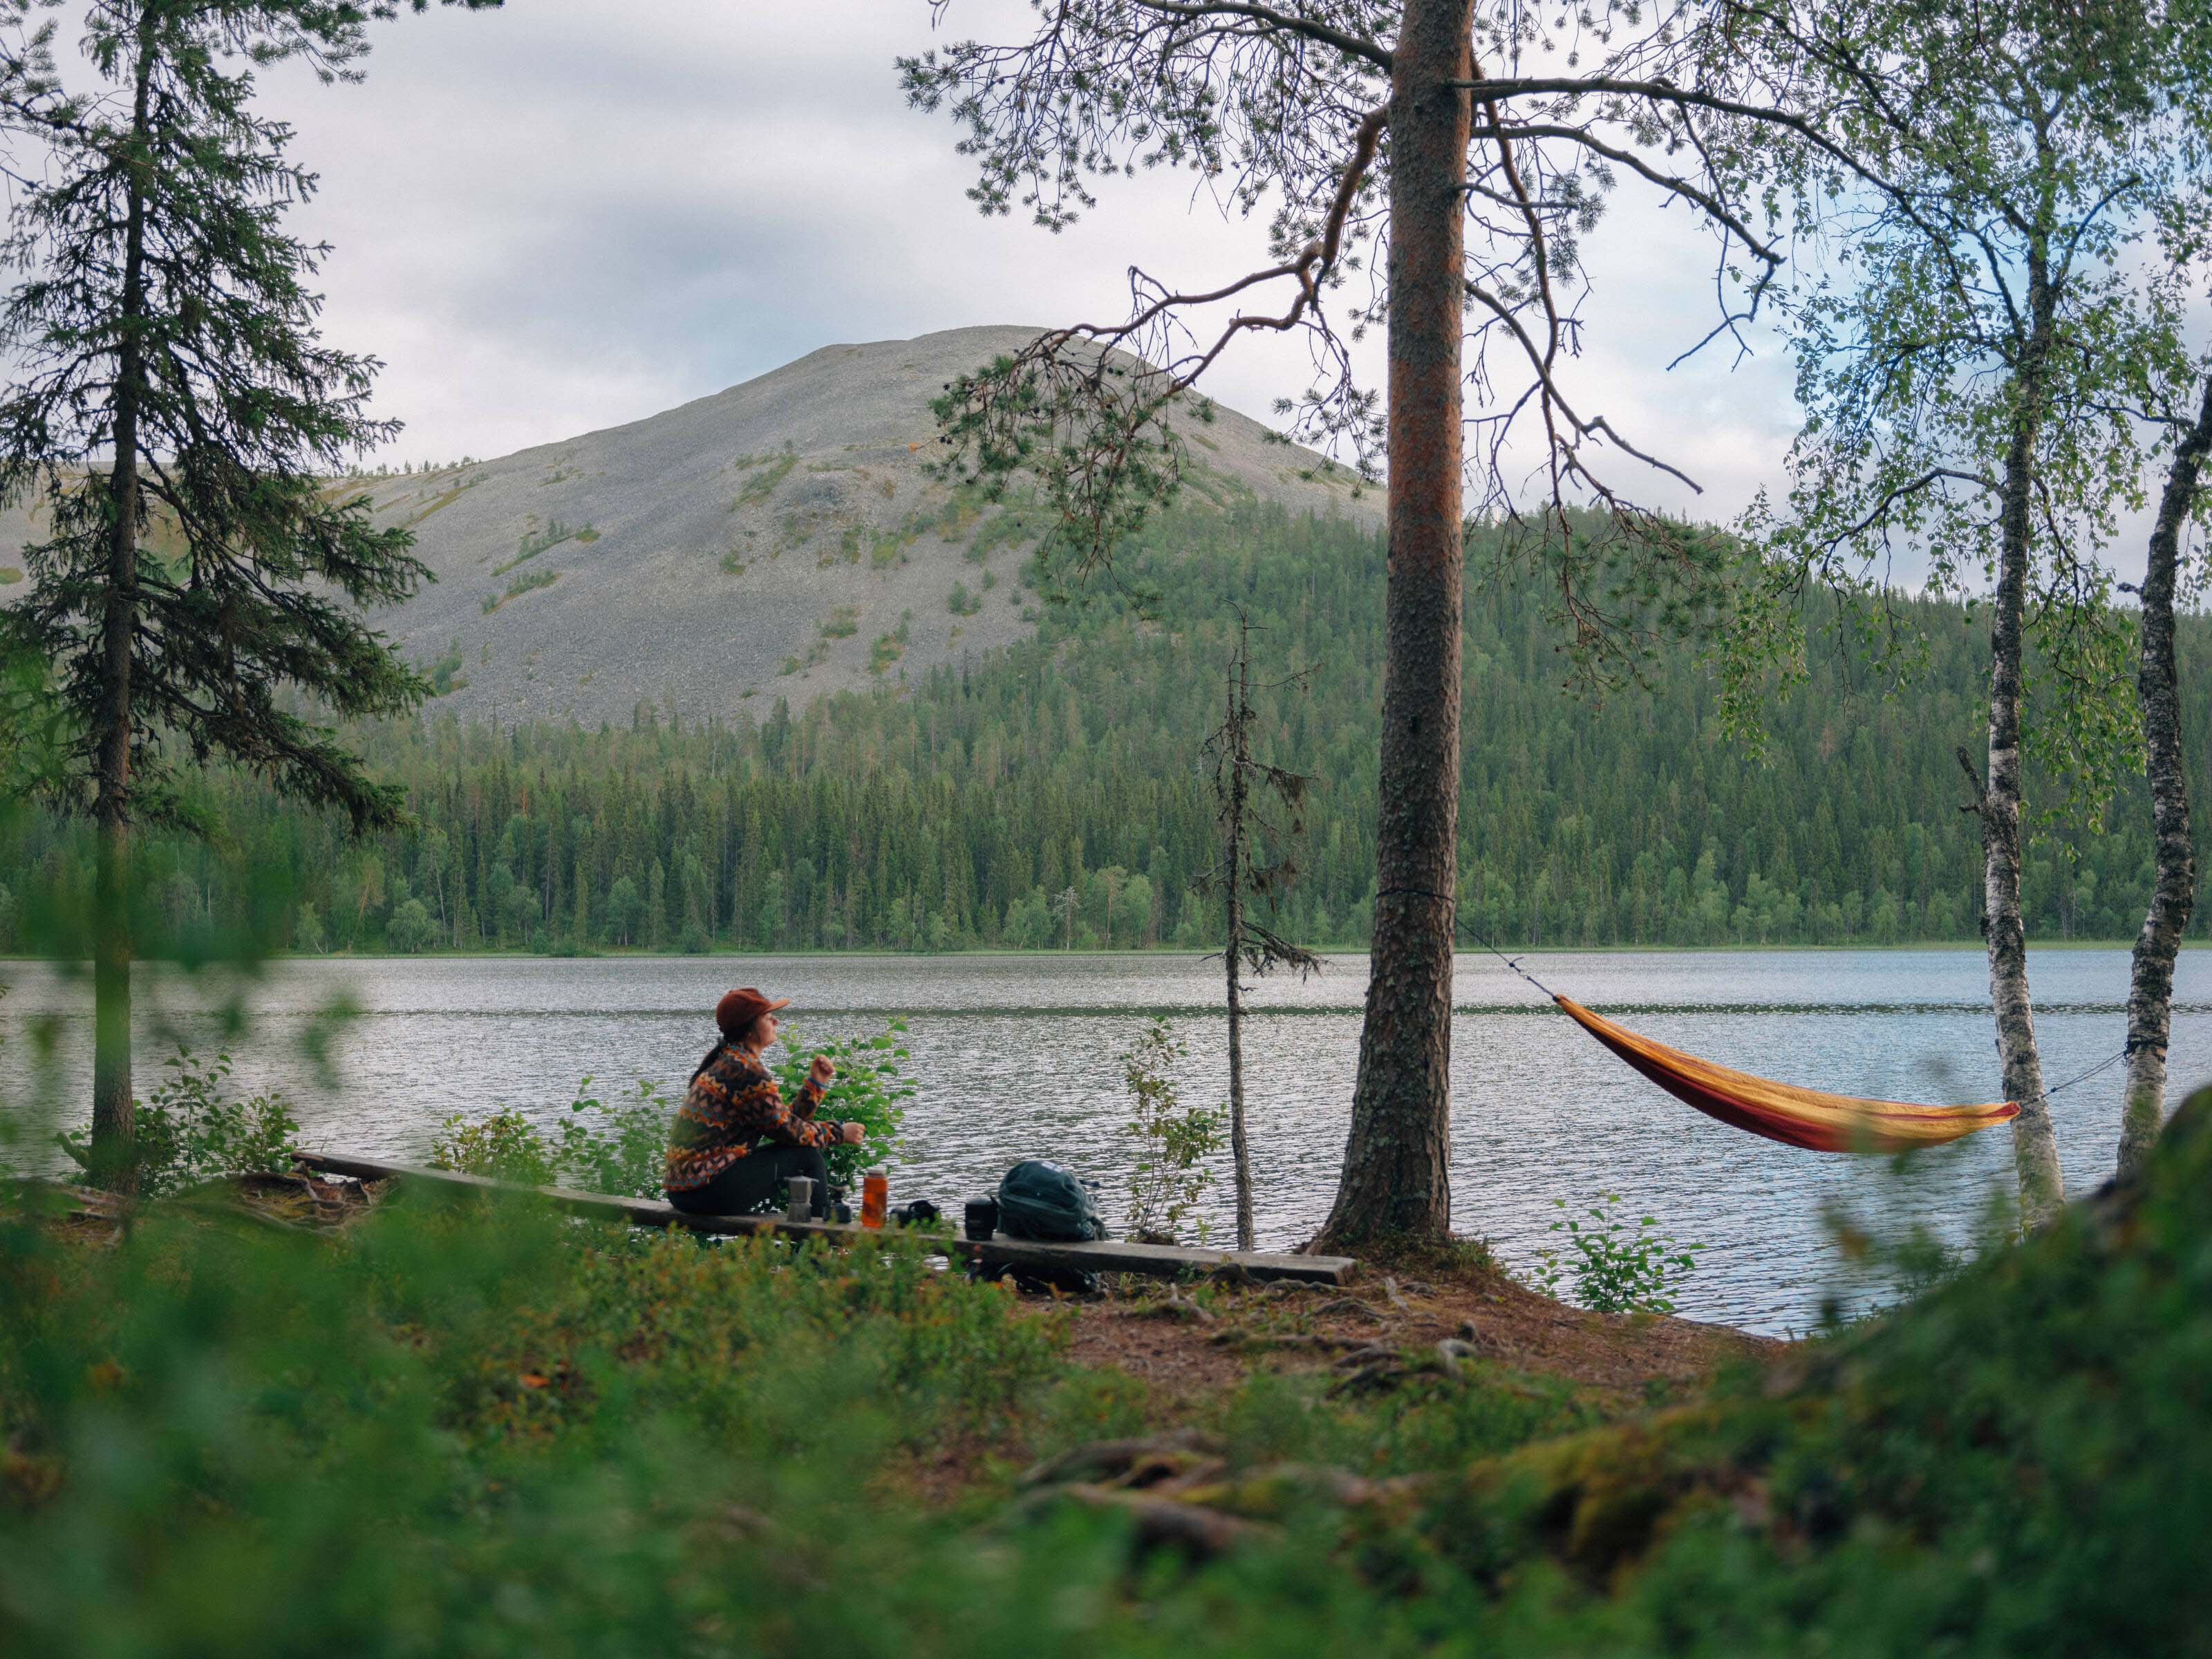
(1106,1256)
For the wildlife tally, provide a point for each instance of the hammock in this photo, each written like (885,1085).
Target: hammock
(1796,1118)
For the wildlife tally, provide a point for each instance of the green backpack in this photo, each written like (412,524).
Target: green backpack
(1042,1201)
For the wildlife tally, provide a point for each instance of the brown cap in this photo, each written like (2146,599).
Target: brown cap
(738,1010)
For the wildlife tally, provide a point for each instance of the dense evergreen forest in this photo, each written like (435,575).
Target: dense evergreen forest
(1056,796)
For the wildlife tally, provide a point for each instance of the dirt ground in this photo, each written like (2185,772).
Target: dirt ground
(1184,1344)
(1189,1345)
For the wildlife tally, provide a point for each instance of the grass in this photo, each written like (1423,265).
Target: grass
(768,471)
(10,575)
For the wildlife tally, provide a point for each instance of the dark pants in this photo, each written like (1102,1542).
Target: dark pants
(755,1182)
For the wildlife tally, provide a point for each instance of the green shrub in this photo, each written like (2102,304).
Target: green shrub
(193,1130)
(617,1148)
(480,1428)
(530,580)
(446,676)
(598,1147)
(871,1089)
(504,1146)
(1168,1177)
(1616,1268)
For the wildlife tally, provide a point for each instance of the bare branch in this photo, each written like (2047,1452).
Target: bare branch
(1352,45)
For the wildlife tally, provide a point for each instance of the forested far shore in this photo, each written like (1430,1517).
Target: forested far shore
(1053,796)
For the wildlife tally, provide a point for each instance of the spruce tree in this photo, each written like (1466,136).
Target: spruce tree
(176,421)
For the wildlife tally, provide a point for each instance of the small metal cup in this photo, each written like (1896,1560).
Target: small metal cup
(802,1198)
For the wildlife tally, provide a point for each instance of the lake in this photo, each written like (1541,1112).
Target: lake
(1019,1056)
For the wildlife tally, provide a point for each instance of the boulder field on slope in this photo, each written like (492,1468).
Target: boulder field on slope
(781,537)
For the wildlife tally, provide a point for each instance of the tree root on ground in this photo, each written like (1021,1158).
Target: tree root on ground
(1261,1341)
(1193,1530)
(1114,1460)
(1197,1508)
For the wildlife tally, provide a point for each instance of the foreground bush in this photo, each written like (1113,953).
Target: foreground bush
(488,1431)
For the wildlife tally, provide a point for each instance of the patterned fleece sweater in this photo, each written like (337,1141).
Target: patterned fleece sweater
(733,1104)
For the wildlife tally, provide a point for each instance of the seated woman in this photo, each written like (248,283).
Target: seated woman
(734,1141)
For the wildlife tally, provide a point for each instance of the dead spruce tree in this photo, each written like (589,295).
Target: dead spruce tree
(1986,316)
(173,419)
(1259,810)
(1429,167)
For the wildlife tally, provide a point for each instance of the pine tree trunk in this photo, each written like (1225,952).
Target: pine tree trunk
(114,1150)
(2173,888)
(2035,1150)
(1396,1178)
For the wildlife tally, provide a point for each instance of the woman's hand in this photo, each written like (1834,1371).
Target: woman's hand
(852,1133)
(822,1070)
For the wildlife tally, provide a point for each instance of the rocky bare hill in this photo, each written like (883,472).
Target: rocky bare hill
(779,538)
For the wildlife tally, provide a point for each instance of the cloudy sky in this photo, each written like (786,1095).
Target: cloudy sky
(569,214)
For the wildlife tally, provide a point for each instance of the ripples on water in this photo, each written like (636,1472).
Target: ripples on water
(1019,1056)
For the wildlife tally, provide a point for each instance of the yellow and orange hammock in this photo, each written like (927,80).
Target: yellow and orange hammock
(1794,1116)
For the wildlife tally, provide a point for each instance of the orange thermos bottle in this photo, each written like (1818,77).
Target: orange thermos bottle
(875,1197)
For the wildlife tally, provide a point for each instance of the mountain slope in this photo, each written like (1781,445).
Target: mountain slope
(777,537)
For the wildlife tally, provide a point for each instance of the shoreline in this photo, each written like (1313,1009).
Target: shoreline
(1160,952)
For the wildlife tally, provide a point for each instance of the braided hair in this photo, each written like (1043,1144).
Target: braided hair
(713,1055)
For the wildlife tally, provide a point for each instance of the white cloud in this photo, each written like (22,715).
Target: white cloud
(572,213)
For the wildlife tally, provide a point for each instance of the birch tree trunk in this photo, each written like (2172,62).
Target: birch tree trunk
(1396,1179)
(2173,887)
(2035,1151)
(114,1150)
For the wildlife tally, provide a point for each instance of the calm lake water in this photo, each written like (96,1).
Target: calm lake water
(1019,1056)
